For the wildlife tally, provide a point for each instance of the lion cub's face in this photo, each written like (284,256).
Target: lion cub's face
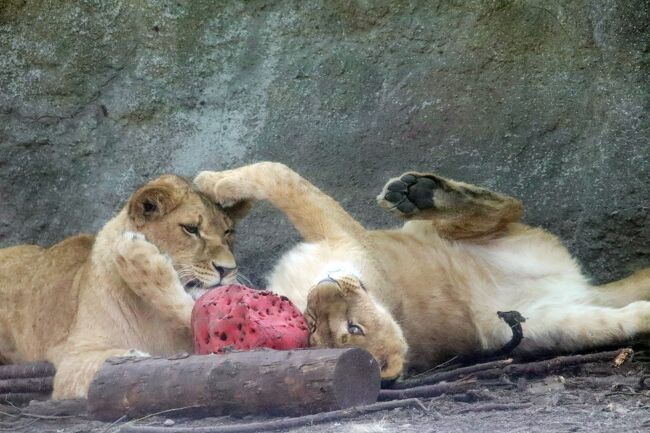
(197,234)
(341,313)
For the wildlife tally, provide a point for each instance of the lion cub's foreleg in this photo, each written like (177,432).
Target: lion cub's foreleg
(150,275)
(314,214)
(457,210)
(75,372)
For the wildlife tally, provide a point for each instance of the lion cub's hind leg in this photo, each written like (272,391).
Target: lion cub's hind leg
(457,210)
(619,293)
(565,327)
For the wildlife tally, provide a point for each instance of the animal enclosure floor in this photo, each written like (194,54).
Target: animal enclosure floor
(592,398)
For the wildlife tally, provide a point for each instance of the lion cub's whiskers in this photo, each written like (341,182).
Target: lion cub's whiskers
(242,279)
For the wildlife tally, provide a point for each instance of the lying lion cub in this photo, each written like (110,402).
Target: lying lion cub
(129,289)
(435,285)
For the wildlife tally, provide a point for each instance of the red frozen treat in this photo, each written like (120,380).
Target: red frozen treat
(241,318)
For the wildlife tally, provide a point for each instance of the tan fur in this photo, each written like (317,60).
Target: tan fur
(431,290)
(121,292)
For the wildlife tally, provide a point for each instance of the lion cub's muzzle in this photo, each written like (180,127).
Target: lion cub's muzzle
(197,280)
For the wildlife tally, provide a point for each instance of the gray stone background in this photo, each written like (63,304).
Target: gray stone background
(544,100)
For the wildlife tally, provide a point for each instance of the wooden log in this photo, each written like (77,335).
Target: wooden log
(34,384)
(29,369)
(266,382)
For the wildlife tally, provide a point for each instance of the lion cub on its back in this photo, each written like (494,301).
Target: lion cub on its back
(130,288)
(430,290)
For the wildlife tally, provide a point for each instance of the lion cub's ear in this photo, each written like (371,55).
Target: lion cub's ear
(157,198)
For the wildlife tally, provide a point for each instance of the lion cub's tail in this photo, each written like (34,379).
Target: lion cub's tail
(619,293)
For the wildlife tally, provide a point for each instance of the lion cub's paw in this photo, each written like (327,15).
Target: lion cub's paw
(132,244)
(139,260)
(137,353)
(223,187)
(346,281)
(133,236)
(409,193)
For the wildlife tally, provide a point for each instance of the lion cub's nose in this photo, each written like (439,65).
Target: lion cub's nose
(222,270)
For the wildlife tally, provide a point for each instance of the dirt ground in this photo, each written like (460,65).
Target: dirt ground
(592,398)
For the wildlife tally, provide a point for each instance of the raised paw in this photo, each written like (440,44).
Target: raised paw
(223,187)
(140,261)
(409,193)
(133,245)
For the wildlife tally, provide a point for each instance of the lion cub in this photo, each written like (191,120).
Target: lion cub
(130,289)
(418,295)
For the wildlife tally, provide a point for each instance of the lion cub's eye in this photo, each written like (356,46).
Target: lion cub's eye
(355,329)
(190,229)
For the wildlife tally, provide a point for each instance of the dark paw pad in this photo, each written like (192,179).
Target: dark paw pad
(411,192)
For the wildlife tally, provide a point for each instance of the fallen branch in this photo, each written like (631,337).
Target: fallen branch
(450,374)
(281,424)
(607,382)
(31,369)
(426,390)
(543,368)
(495,406)
(35,384)
(57,407)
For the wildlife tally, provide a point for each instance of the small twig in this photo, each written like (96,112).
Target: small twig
(22,414)
(31,369)
(496,406)
(280,424)
(543,368)
(75,407)
(9,410)
(114,423)
(176,409)
(15,427)
(600,382)
(450,375)
(636,394)
(443,366)
(622,357)
(426,390)
(22,397)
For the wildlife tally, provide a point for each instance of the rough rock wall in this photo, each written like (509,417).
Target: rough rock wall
(547,101)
